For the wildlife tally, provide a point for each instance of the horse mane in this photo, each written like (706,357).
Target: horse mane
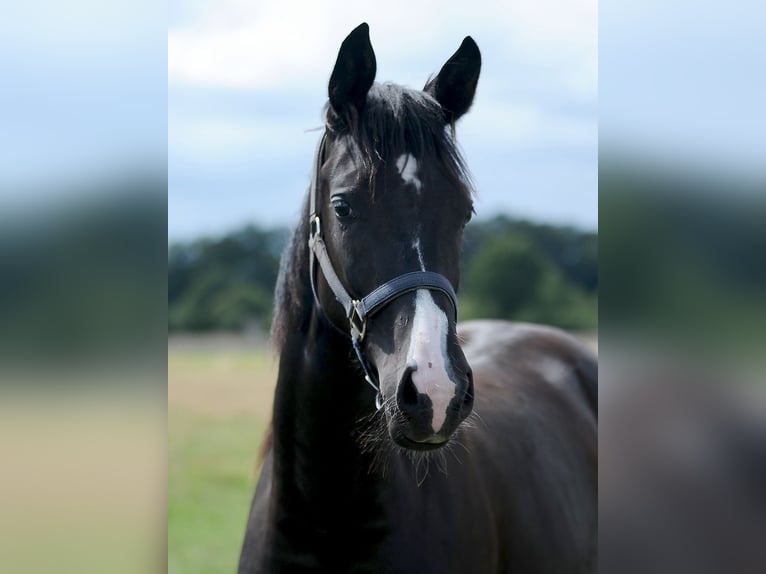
(394,120)
(292,298)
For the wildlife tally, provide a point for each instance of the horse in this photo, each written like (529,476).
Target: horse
(401,441)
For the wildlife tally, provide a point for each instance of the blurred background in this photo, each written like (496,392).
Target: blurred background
(83,312)
(246,86)
(682,201)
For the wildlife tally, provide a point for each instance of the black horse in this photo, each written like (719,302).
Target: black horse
(467,449)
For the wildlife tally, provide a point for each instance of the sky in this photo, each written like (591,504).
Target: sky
(682,84)
(227,94)
(247,82)
(84,93)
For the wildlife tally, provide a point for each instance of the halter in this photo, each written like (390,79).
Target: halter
(358,311)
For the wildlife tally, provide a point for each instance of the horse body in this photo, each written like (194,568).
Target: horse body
(516,494)
(414,486)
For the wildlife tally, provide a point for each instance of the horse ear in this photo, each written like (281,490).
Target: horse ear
(455,84)
(354,71)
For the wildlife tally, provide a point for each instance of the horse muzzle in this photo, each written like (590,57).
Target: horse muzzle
(430,404)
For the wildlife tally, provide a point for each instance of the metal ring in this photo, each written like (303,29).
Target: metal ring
(361,325)
(315,227)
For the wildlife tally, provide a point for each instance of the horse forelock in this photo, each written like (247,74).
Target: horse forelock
(396,121)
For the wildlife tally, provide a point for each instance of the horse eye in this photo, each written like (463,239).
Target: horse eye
(341,207)
(469,216)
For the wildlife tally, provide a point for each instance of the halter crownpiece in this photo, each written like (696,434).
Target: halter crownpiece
(358,311)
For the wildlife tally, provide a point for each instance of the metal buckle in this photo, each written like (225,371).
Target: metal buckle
(356,321)
(315,228)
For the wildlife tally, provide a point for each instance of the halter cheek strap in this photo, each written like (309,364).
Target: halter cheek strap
(358,311)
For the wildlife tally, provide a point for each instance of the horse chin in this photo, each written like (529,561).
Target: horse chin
(416,442)
(427,445)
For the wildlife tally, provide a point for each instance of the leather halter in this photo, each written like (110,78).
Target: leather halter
(358,311)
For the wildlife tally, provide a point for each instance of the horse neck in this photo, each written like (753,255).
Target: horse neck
(320,399)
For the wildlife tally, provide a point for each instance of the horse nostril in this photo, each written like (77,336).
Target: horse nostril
(408,394)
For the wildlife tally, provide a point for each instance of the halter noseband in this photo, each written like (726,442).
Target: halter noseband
(358,311)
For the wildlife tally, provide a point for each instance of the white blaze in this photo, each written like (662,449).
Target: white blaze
(408,169)
(416,245)
(428,354)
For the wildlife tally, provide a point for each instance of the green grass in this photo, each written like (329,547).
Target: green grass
(218,408)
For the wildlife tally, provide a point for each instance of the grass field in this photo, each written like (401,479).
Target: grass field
(220,393)
(219,403)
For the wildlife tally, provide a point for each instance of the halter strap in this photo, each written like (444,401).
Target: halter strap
(358,311)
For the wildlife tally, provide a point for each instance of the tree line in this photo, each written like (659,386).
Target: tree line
(511,269)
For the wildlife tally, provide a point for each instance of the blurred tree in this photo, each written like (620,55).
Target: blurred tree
(225,283)
(573,252)
(509,277)
(505,276)
(512,269)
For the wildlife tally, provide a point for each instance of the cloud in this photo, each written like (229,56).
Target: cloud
(527,126)
(248,78)
(279,45)
(212,139)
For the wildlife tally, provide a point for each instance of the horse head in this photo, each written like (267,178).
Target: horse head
(393,197)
